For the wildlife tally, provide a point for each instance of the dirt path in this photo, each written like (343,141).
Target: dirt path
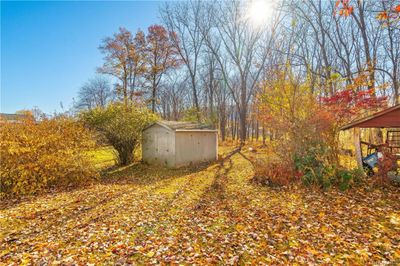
(206,216)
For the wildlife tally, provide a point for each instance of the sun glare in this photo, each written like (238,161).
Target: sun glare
(259,11)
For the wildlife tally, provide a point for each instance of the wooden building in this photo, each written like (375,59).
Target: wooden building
(388,119)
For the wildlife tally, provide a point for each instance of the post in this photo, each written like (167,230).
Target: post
(357,144)
(216,145)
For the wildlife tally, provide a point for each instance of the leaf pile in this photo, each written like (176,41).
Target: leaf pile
(205,216)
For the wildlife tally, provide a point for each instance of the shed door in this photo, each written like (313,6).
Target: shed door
(162,147)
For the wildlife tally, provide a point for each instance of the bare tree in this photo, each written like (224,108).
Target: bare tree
(96,92)
(392,51)
(183,19)
(240,49)
(226,57)
(173,95)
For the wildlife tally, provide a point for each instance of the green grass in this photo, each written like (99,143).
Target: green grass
(103,157)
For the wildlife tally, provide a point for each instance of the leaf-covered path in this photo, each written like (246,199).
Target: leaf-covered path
(210,215)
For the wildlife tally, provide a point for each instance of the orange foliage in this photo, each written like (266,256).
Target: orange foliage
(162,56)
(35,156)
(161,51)
(344,7)
(274,173)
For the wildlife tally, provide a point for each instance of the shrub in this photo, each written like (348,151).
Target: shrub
(273,172)
(313,164)
(35,156)
(121,126)
(190,115)
(385,165)
(347,178)
(309,127)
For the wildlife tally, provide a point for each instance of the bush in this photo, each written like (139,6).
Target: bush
(314,166)
(121,126)
(273,172)
(190,115)
(35,156)
(347,178)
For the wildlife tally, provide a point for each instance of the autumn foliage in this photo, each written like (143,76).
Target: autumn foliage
(37,155)
(121,126)
(139,61)
(161,56)
(306,129)
(353,100)
(298,125)
(346,8)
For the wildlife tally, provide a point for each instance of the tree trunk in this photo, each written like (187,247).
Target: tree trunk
(222,123)
(357,143)
(153,97)
(125,154)
(234,125)
(263,135)
(222,128)
(257,131)
(196,100)
(243,124)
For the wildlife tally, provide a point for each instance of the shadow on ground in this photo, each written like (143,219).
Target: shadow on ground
(143,174)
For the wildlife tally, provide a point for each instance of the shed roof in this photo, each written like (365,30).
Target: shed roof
(388,118)
(183,126)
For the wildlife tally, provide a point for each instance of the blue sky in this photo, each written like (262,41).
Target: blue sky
(49,49)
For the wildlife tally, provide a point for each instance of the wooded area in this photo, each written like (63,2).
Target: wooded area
(210,62)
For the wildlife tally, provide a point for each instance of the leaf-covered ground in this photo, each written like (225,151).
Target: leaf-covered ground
(209,215)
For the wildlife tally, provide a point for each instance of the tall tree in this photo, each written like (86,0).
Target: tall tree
(241,51)
(183,18)
(391,45)
(124,59)
(161,57)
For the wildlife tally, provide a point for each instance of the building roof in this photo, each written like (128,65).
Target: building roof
(388,118)
(183,126)
(12,117)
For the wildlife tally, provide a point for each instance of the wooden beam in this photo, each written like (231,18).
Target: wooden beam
(357,144)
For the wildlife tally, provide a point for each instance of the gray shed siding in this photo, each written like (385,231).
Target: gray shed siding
(159,146)
(195,146)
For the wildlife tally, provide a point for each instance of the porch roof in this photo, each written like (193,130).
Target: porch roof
(388,118)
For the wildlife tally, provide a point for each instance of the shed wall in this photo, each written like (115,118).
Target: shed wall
(194,147)
(158,146)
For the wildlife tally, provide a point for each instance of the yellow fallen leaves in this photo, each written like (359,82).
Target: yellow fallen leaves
(206,216)
(150,254)
(395,219)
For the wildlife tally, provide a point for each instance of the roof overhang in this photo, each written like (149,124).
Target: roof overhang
(196,130)
(157,123)
(388,118)
(160,123)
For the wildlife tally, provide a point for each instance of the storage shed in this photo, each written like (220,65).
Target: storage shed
(174,144)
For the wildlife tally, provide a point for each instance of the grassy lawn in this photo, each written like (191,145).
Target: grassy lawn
(206,215)
(103,157)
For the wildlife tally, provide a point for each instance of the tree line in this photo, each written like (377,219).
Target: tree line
(209,62)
